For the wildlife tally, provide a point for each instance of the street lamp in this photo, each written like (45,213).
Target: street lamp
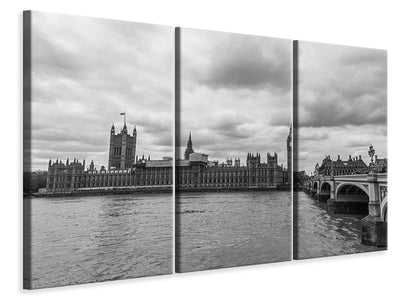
(371,154)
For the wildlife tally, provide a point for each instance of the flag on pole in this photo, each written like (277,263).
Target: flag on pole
(123,114)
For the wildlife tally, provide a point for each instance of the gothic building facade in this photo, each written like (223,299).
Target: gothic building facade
(189,147)
(195,171)
(122,149)
(126,171)
(353,165)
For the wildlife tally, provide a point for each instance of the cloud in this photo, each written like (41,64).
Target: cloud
(303,155)
(343,99)
(233,87)
(332,109)
(250,62)
(313,135)
(341,85)
(85,71)
(230,126)
(357,141)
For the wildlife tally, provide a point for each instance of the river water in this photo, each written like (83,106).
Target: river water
(90,239)
(218,230)
(321,234)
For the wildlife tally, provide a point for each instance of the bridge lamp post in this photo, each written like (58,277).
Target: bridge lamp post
(373,228)
(371,154)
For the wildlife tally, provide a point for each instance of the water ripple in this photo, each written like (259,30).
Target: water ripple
(91,239)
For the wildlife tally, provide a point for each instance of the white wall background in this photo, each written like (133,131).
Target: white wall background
(360,23)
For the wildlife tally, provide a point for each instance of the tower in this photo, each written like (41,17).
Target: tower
(273,170)
(122,149)
(189,147)
(289,155)
(253,164)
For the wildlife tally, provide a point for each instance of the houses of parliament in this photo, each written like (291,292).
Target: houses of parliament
(128,172)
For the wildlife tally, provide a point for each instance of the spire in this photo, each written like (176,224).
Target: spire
(112,129)
(189,147)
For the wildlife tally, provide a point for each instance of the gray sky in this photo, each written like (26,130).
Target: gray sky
(342,102)
(236,94)
(85,72)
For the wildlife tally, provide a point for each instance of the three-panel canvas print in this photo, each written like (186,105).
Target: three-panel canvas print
(150,150)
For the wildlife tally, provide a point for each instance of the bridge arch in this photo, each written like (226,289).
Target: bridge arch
(352,197)
(360,188)
(384,209)
(326,186)
(325,191)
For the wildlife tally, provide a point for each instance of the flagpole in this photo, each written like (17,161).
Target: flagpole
(124,113)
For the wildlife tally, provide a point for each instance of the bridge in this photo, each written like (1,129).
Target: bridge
(364,194)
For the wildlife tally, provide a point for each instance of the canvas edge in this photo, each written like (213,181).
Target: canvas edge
(27,96)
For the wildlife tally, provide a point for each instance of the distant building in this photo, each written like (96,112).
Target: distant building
(189,147)
(195,171)
(381,165)
(70,177)
(122,149)
(354,165)
(127,171)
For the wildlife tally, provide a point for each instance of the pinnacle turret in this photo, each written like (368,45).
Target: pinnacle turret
(189,147)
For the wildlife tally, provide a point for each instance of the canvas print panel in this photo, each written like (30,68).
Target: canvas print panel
(98,150)
(340,165)
(233,151)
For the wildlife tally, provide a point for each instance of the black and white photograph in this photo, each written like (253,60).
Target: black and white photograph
(340,150)
(98,150)
(233,150)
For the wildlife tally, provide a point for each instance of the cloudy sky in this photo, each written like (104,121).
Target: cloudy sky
(235,94)
(85,71)
(342,102)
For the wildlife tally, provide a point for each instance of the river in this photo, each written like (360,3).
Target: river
(320,234)
(218,230)
(90,239)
